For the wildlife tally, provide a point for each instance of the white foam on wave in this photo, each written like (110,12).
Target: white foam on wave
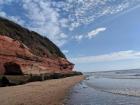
(123,86)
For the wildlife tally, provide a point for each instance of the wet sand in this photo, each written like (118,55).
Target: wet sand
(50,92)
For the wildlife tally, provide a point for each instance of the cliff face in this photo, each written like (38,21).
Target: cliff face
(21,49)
(38,44)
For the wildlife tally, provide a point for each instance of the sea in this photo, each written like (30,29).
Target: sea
(119,87)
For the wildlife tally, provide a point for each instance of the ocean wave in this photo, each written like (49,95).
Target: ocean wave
(117,90)
(128,92)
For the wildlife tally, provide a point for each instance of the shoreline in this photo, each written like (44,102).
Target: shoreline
(49,92)
(93,91)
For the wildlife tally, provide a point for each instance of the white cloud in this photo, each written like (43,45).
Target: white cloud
(5,1)
(45,20)
(115,56)
(2,13)
(90,34)
(65,51)
(16,19)
(12,18)
(78,37)
(50,17)
(84,12)
(93,33)
(64,22)
(5,15)
(41,17)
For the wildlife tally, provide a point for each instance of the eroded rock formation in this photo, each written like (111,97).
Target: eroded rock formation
(14,52)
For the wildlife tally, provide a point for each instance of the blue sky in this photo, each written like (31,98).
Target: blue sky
(95,34)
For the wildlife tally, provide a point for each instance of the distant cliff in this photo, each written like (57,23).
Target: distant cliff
(29,52)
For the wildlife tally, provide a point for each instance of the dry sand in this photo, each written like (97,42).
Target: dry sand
(50,92)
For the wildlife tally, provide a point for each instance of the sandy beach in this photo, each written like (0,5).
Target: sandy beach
(50,92)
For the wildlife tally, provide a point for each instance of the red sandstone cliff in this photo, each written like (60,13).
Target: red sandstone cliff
(15,52)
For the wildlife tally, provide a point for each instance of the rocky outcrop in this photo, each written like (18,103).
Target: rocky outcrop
(25,50)
(14,53)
